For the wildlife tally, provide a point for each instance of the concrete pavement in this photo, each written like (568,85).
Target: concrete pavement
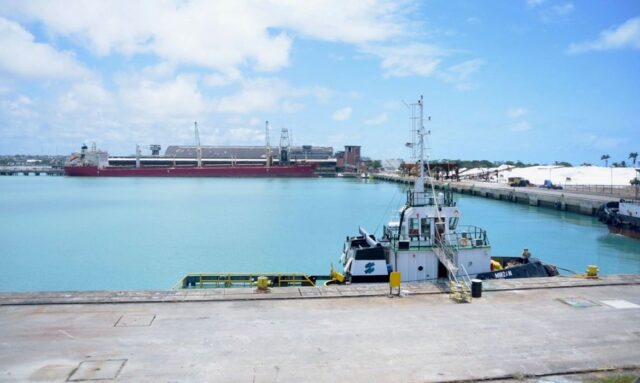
(416,338)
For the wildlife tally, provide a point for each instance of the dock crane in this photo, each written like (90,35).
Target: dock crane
(198,147)
(269,159)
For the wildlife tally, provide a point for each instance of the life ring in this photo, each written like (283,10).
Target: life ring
(463,242)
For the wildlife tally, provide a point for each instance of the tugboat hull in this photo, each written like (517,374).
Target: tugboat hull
(621,217)
(533,269)
(627,232)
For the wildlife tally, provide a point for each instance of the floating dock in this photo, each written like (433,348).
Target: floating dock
(533,328)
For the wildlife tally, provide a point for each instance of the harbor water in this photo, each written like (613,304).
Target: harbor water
(65,233)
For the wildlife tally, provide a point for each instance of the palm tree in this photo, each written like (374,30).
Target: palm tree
(605,158)
(633,156)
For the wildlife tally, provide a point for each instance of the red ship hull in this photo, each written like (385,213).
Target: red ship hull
(299,170)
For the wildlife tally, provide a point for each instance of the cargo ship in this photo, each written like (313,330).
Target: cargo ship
(91,162)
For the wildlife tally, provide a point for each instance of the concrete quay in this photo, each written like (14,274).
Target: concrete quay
(27,170)
(533,329)
(587,204)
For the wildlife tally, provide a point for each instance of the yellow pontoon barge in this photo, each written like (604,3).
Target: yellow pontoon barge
(224,280)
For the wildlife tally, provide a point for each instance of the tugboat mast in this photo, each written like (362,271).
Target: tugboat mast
(419,186)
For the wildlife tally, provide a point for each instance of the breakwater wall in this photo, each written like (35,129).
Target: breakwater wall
(554,199)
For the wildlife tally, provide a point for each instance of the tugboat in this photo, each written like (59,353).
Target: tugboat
(622,217)
(426,242)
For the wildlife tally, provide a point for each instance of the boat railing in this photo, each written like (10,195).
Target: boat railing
(467,237)
(444,198)
(388,232)
(464,275)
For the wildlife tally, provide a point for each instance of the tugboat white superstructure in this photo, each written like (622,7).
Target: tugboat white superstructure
(426,243)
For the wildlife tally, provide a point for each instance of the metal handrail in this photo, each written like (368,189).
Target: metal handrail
(614,190)
(429,199)
(468,234)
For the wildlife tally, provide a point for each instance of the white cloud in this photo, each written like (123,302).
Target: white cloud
(517,112)
(393,105)
(335,57)
(223,78)
(598,142)
(246,135)
(4,89)
(21,56)
(418,59)
(534,3)
(521,126)
(460,74)
(357,22)
(474,20)
(20,119)
(623,36)
(85,96)
(161,70)
(377,120)
(20,107)
(415,59)
(215,34)
(342,114)
(266,95)
(150,100)
(563,10)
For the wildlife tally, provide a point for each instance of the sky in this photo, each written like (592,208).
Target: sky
(531,80)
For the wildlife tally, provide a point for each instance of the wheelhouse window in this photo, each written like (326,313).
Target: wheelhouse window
(440,228)
(425,224)
(414,227)
(453,222)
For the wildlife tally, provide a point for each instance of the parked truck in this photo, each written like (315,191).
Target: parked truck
(550,185)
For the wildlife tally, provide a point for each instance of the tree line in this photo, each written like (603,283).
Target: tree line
(622,164)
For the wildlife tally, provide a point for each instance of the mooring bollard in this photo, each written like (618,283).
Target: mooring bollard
(476,288)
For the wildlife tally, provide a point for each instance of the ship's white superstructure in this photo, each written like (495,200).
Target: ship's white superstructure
(424,242)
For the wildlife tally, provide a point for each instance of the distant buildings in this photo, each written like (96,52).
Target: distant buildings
(304,152)
(392,165)
(350,160)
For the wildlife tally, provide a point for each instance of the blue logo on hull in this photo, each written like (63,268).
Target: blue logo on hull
(369,267)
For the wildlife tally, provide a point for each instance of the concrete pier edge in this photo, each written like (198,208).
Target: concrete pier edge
(293,293)
(586,204)
(563,373)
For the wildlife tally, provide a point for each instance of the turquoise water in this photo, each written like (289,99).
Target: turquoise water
(59,233)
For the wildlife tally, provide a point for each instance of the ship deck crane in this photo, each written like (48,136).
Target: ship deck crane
(284,146)
(198,147)
(269,159)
